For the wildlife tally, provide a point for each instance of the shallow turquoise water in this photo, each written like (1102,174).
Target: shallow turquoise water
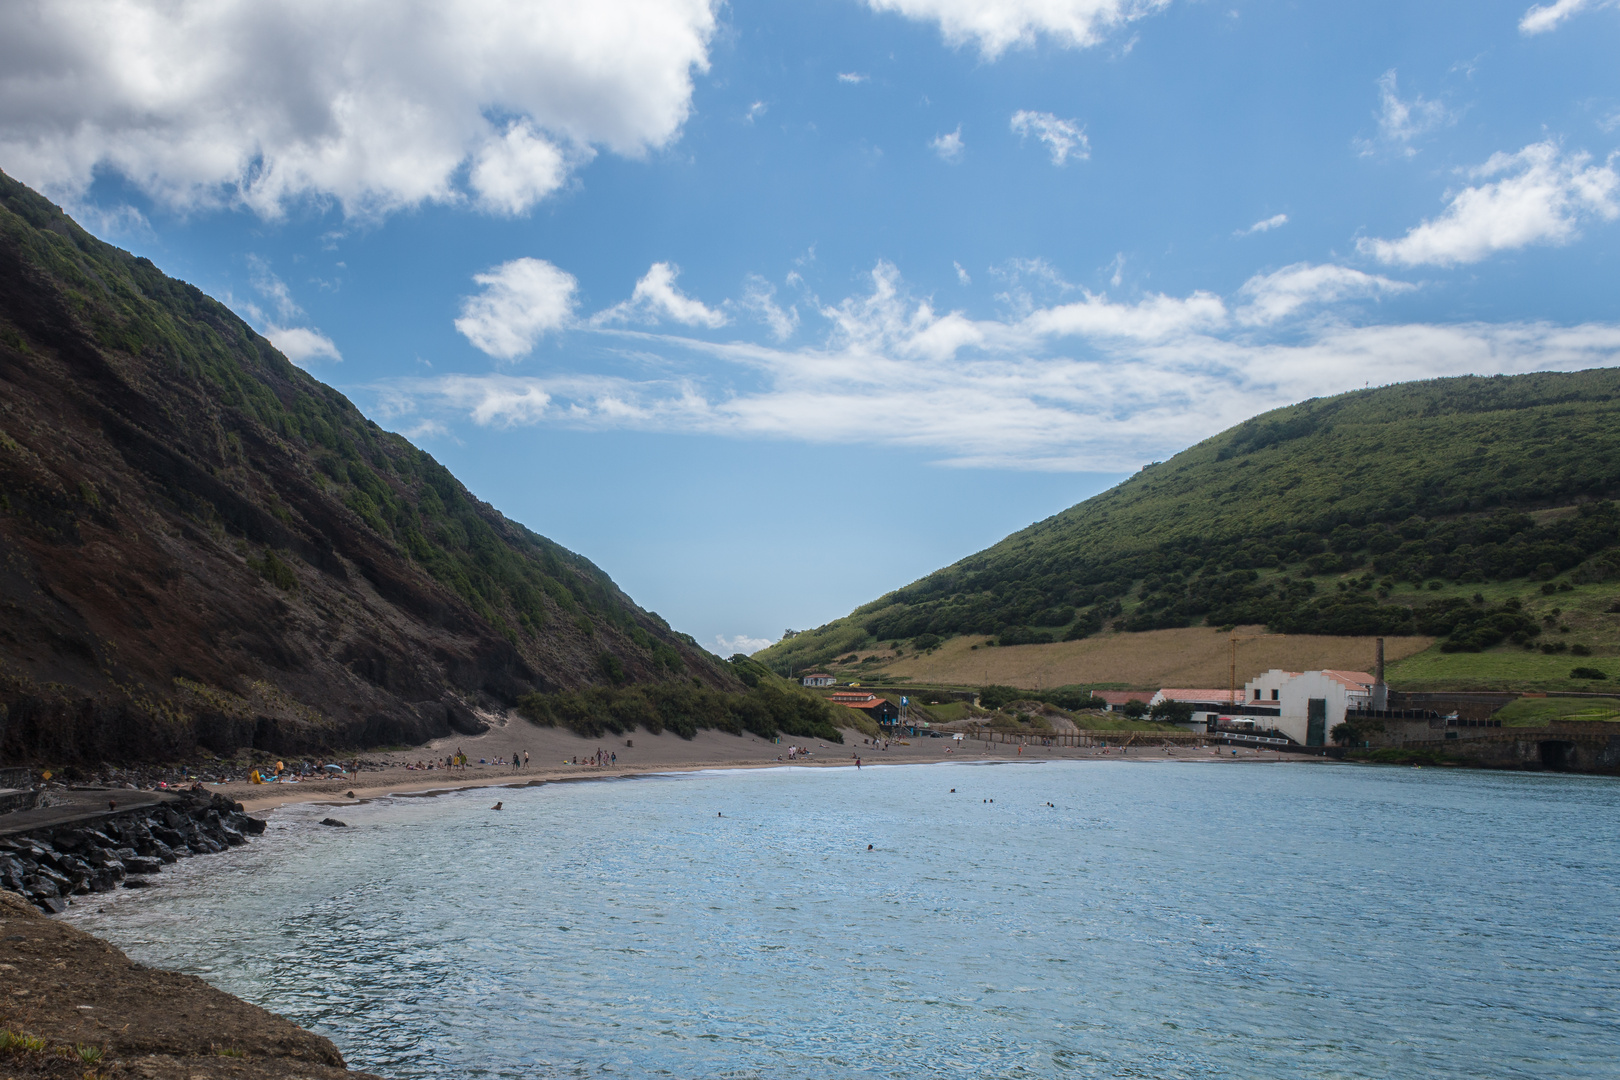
(1160,920)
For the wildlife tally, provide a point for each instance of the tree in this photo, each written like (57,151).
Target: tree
(1135,710)
(1172,712)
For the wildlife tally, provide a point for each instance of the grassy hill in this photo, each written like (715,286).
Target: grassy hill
(203,545)
(1459,509)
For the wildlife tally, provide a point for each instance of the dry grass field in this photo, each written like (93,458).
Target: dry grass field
(1196,657)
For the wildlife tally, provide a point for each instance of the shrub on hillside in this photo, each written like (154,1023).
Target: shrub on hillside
(1172,712)
(685,709)
(1588,673)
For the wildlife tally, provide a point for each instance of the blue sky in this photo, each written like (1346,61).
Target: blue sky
(770,308)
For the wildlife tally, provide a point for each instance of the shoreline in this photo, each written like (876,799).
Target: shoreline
(554,750)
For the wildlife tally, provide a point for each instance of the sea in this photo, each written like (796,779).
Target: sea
(1035,919)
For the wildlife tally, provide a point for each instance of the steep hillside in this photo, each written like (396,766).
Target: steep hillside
(205,545)
(1335,516)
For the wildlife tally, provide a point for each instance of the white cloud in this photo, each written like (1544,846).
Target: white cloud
(742,643)
(373,104)
(759,297)
(1399,122)
(949,147)
(1063,138)
(1092,384)
(513,172)
(755,111)
(1542,197)
(1275,221)
(1275,296)
(521,301)
(962,275)
(997,25)
(1544,17)
(656,298)
(852,78)
(300,344)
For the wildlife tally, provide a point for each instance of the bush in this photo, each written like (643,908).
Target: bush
(924,642)
(1019,635)
(1135,710)
(1172,712)
(765,710)
(1587,673)
(995,696)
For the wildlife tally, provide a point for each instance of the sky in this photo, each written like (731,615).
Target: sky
(769,308)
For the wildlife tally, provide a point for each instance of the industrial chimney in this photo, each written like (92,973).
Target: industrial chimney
(1380,692)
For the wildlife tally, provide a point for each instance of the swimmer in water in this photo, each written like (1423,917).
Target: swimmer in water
(497,806)
(868,847)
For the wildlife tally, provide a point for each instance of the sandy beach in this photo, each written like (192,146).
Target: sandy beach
(552,754)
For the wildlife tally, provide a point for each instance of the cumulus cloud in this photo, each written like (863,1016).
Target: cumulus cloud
(1064,139)
(949,147)
(1273,297)
(656,299)
(1544,17)
(852,78)
(521,301)
(1094,383)
(300,344)
(1275,221)
(1536,196)
(997,25)
(373,104)
(742,643)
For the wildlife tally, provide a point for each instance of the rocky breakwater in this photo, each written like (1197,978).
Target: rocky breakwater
(50,864)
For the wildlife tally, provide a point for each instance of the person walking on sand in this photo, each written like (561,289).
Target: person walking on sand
(525,759)
(517,763)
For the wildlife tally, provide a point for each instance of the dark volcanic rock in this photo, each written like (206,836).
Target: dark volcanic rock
(335,823)
(204,547)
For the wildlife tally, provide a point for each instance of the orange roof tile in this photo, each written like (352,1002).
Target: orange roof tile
(1227,696)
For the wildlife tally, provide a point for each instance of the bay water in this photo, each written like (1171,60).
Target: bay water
(1096,919)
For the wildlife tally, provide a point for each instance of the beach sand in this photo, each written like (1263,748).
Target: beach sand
(551,751)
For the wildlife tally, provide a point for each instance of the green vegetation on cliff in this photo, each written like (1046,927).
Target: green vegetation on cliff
(203,544)
(1334,516)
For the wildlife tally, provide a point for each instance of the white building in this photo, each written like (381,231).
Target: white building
(820,678)
(1312,703)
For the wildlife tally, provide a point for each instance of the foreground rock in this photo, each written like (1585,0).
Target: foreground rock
(49,865)
(74,1006)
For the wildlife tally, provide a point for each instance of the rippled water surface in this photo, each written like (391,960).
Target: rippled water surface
(1158,920)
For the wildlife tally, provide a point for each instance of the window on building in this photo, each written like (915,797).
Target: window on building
(1274,695)
(1257,693)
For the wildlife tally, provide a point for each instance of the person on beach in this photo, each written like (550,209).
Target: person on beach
(525,759)
(515,762)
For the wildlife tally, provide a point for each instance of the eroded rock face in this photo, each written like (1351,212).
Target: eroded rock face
(204,547)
